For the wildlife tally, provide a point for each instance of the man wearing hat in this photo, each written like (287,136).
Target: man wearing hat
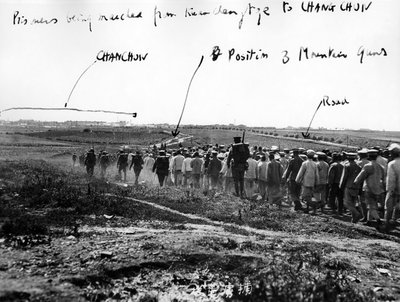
(137,164)
(104,162)
(90,162)
(187,170)
(335,193)
(122,163)
(392,200)
(237,159)
(214,167)
(148,163)
(290,176)
(176,167)
(372,176)
(161,167)
(380,159)
(308,177)
(351,190)
(196,165)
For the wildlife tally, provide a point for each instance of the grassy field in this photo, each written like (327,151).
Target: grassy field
(65,237)
(142,136)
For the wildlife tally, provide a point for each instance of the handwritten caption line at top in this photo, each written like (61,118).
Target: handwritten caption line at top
(247,13)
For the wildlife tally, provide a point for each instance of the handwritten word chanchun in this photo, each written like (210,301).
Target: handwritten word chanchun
(125,56)
(311,7)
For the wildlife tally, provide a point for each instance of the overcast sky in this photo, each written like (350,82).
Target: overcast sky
(40,63)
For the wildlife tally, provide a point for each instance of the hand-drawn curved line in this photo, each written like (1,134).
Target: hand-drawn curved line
(187,92)
(76,83)
(134,114)
(306,134)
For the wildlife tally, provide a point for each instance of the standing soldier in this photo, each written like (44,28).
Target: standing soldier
(90,162)
(350,172)
(122,163)
(161,167)
(372,175)
(290,176)
(137,164)
(237,158)
(392,186)
(104,162)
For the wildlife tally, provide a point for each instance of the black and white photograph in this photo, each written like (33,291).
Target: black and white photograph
(200,150)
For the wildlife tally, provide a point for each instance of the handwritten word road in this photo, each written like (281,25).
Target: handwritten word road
(328,102)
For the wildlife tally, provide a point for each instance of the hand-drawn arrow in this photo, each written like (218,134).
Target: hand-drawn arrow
(134,114)
(307,135)
(176,132)
(76,83)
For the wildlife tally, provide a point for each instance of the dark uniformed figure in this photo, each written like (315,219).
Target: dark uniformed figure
(290,176)
(335,192)
(137,164)
(122,163)
(90,162)
(351,190)
(237,159)
(161,167)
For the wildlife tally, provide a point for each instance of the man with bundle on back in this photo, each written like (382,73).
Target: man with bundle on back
(237,158)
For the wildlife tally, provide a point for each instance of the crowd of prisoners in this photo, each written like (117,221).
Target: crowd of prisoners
(364,184)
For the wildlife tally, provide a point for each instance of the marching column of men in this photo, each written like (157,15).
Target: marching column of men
(363,183)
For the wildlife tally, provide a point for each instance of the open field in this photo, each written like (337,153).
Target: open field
(143,136)
(65,237)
